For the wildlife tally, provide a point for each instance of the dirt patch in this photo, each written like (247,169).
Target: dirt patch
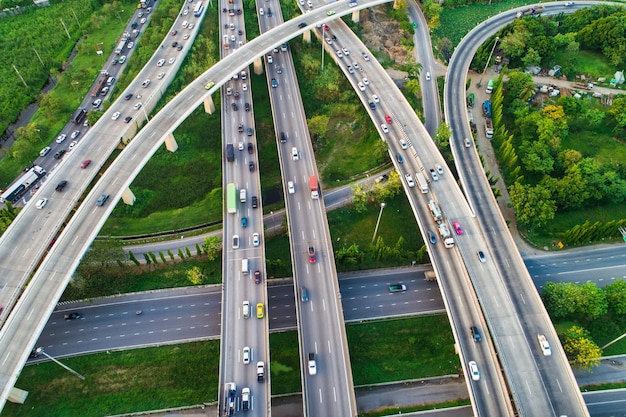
(382,34)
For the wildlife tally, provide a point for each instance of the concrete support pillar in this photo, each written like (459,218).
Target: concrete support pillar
(170,143)
(257,66)
(128,197)
(209,106)
(355,16)
(306,36)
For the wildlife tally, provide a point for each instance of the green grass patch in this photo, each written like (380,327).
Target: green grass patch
(348,227)
(456,22)
(278,256)
(603,387)
(285,363)
(121,382)
(588,63)
(395,350)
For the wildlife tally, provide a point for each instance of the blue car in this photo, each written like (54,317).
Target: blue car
(400,159)
(244,222)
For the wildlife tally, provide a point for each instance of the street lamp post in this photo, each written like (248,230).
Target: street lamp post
(118,14)
(380,214)
(487,64)
(39,136)
(40,351)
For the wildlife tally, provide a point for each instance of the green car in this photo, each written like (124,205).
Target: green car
(397,288)
(330,13)
(209,85)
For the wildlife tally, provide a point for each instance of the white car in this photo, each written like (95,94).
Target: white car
(375,98)
(361,86)
(409,180)
(261,12)
(244,87)
(366,81)
(428,76)
(339,54)
(186,36)
(73,145)
(291,187)
(403,144)
(115,116)
(473,368)
(145,84)
(161,62)
(61,138)
(241,146)
(130,45)
(171,61)
(434,174)
(75,134)
(97,102)
(41,203)
(191,25)
(235,241)
(185,12)
(137,106)
(310,4)
(384,128)
(143,20)
(346,52)
(439,169)
(161,75)
(256,239)
(329,41)
(246,355)
(270,59)
(468,143)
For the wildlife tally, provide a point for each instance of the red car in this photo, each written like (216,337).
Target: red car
(257,277)
(457,228)
(388,119)
(85,163)
(311,255)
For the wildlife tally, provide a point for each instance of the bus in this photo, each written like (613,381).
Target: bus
(231,198)
(197,11)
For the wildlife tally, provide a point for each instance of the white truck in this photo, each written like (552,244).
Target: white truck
(421,180)
(488,128)
(545,346)
(245,399)
(444,232)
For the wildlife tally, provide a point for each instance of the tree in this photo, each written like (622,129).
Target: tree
(360,198)
(580,349)
(559,299)
(195,275)
(616,296)
(533,205)
(537,157)
(432,10)
(413,68)
(413,87)
(212,246)
(531,58)
(618,110)
(318,125)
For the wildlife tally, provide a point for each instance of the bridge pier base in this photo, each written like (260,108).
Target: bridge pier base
(170,142)
(128,197)
(257,66)
(209,106)
(355,16)
(306,36)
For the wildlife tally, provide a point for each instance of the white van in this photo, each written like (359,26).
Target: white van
(242,195)
(244,266)
(294,154)
(246,309)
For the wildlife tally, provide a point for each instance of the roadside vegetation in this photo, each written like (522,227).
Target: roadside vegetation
(561,156)
(588,319)
(126,381)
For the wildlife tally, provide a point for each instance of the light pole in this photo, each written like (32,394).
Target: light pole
(40,351)
(380,214)
(487,64)
(118,14)
(39,136)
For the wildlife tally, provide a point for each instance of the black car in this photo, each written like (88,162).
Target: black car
(251,166)
(247,105)
(73,316)
(283,138)
(179,47)
(134,25)
(255,201)
(34,353)
(234,106)
(302,25)
(59,153)
(240,128)
(250,147)
(269,11)
(174,44)
(127,119)
(128,96)
(61,185)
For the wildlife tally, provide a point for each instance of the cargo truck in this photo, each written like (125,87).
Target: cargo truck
(488,128)
(79,116)
(230,392)
(314,186)
(531,11)
(421,180)
(444,232)
(230,152)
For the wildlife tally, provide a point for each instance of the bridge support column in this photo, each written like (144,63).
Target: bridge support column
(257,66)
(306,36)
(209,106)
(355,16)
(170,142)
(128,197)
